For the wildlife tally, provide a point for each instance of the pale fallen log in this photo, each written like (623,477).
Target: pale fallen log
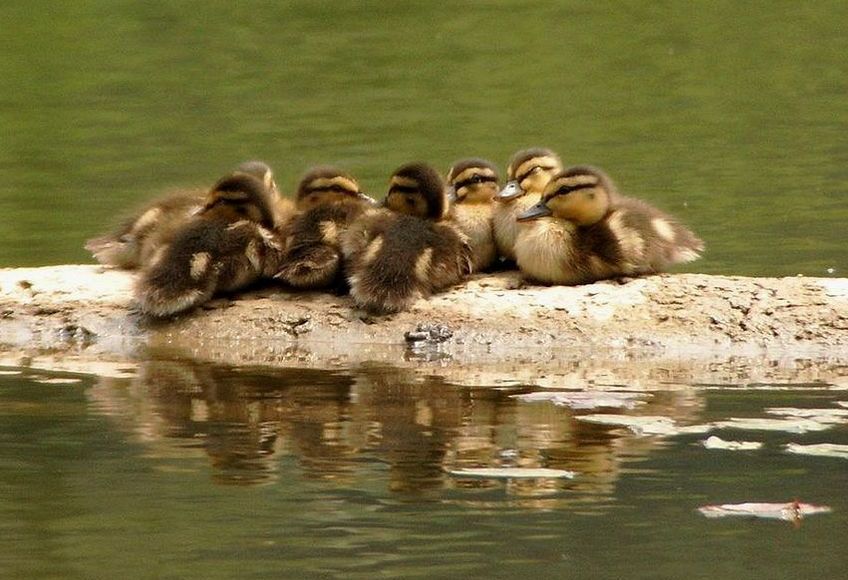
(495,318)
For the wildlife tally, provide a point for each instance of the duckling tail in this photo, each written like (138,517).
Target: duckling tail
(386,286)
(164,289)
(689,246)
(182,275)
(310,266)
(112,251)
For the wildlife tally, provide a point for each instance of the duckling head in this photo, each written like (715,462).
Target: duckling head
(417,189)
(473,180)
(529,171)
(580,194)
(241,196)
(261,171)
(328,185)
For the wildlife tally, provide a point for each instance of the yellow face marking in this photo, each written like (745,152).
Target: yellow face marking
(583,206)
(199,264)
(422,265)
(403,181)
(372,250)
(338,181)
(663,229)
(329,231)
(575,180)
(471,172)
(543,161)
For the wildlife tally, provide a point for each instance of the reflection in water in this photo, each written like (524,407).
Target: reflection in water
(335,423)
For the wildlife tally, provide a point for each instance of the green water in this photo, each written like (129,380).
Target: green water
(190,470)
(730,115)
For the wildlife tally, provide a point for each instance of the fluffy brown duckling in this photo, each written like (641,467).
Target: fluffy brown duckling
(135,241)
(226,246)
(407,250)
(586,231)
(329,200)
(474,184)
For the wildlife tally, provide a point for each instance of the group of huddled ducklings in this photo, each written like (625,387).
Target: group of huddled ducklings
(559,226)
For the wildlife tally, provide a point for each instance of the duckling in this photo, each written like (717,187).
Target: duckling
(587,231)
(329,201)
(528,173)
(133,243)
(474,184)
(406,250)
(223,248)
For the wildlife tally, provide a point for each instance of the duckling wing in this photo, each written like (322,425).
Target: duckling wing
(313,257)
(204,257)
(653,240)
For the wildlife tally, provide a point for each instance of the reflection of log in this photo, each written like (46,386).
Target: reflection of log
(493,318)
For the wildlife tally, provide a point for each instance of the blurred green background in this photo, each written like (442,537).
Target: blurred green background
(732,116)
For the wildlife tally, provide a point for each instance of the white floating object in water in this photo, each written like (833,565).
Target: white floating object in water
(798,425)
(585,399)
(834,416)
(719,443)
(58,381)
(819,450)
(644,425)
(842,403)
(513,473)
(791,511)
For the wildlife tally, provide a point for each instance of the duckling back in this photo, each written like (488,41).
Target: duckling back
(313,255)
(646,240)
(329,200)
(394,260)
(219,250)
(135,240)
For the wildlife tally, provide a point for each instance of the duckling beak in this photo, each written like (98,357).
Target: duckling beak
(510,191)
(451,193)
(534,212)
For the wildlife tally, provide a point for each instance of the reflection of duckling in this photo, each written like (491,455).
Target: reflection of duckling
(330,200)
(222,249)
(475,183)
(395,257)
(528,173)
(137,239)
(595,233)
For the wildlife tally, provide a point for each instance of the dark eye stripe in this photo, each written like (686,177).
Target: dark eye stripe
(333,188)
(527,173)
(569,188)
(475,179)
